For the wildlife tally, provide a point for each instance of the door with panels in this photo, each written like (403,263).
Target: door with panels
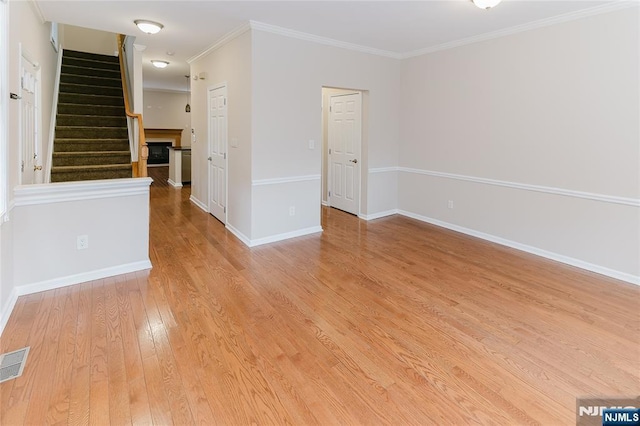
(345,138)
(30,122)
(217,103)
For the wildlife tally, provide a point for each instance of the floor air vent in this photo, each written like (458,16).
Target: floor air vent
(12,364)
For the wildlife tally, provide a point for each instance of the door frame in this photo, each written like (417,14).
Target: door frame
(347,92)
(4,105)
(24,55)
(226,150)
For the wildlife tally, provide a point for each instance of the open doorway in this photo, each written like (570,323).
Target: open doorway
(342,148)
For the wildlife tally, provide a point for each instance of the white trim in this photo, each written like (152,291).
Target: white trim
(26,195)
(174,184)
(231,35)
(383,169)
(83,277)
(378,215)
(284,236)
(6,217)
(4,114)
(633,279)
(67,281)
(571,16)
(199,203)
(259,26)
(52,121)
(324,203)
(291,179)
(634,202)
(7,309)
(245,240)
(38,11)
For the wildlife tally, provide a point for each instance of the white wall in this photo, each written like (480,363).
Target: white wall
(555,108)
(165,110)
(230,64)
(88,40)
(26,28)
(46,221)
(288,76)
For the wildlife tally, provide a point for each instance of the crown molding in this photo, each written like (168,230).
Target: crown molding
(221,42)
(571,16)
(273,29)
(38,11)
(259,26)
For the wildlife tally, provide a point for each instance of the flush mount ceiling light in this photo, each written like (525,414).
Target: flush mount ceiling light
(159,64)
(486,4)
(148,27)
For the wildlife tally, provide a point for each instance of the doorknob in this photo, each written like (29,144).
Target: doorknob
(209,158)
(355,160)
(37,168)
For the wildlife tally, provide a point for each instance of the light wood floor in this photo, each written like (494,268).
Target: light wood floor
(387,322)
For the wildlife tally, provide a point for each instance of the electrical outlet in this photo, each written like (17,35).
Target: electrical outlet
(82,242)
(450,204)
(292,211)
(312,144)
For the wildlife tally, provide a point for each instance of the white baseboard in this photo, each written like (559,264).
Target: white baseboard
(245,240)
(66,281)
(199,203)
(324,203)
(174,184)
(378,215)
(7,309)
(285,236)
(273,238)
(529,249)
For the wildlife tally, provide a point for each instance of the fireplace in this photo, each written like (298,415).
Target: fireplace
(158,152)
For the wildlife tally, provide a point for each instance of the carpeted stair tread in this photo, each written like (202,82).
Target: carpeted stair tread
(90,89)
(72,98)
(90,80)
(76,173)
(91,132)
(91,135)
(94,56)
(89,158)
(95,72)
(80,109)
(91,120)
(90,63)
(80,145)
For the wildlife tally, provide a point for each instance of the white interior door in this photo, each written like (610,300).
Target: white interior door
(218,153)
(345,137)
(31,165)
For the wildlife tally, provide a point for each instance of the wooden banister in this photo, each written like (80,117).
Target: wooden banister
(139,167)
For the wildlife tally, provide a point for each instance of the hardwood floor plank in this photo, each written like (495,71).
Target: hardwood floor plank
(79,395)
(391,321)
(99,393)
(58,412)
(43,391)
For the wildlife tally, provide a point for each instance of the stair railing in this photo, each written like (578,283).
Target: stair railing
(139,167)
(48,161)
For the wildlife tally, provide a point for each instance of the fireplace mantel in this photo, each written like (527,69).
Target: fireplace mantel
(172,134)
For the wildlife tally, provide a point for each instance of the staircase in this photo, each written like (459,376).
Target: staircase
(91,138)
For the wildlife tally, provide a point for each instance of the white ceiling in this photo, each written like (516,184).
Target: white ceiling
(397,27)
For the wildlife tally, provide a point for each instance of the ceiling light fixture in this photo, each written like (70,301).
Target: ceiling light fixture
(148,27)
(486,4)
(159,64)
